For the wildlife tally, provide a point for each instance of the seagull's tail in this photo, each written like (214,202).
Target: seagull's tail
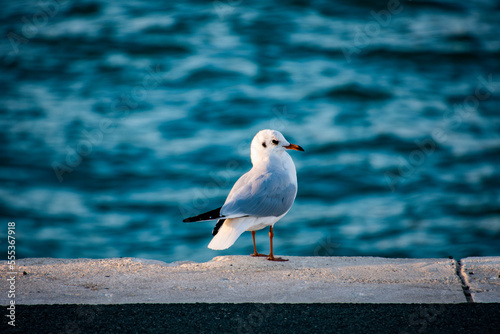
(229,232)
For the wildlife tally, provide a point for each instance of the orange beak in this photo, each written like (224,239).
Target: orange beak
(294,147)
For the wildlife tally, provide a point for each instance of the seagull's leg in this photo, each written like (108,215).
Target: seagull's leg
(271,255)
(255,248)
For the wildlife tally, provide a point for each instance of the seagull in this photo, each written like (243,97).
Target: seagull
(260,197)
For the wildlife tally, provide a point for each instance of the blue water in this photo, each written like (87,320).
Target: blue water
(121,119)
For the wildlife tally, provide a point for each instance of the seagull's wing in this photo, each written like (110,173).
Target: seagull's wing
(260,195)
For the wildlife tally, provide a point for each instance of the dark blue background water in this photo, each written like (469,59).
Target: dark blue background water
(121,119)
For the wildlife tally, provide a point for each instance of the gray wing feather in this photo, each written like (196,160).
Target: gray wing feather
(264,195)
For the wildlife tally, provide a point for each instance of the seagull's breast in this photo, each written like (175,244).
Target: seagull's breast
(289,167)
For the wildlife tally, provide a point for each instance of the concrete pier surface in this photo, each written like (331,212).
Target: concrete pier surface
(245,279)
(242,294)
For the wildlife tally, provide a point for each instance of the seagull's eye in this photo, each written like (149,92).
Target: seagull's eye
(275,142)
(264,144)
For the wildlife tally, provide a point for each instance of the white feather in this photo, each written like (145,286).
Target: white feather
(231,229)
(228,233)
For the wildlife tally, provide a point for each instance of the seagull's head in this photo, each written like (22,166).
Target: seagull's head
(270,142)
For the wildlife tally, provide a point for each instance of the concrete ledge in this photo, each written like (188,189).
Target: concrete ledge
(243,279)
(483,278)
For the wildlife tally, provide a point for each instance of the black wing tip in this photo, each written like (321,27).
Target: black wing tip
(210,215)
(192,219)
(217,227)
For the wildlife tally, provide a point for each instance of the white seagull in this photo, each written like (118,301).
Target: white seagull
(260,197)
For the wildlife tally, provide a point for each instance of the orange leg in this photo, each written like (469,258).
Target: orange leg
(271,255)
(255,248)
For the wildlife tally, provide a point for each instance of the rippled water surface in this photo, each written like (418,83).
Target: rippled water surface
(119,119)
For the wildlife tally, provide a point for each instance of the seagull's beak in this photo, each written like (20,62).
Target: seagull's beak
(294,147)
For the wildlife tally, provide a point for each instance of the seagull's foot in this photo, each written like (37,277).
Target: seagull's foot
(258,254)
(272,258)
